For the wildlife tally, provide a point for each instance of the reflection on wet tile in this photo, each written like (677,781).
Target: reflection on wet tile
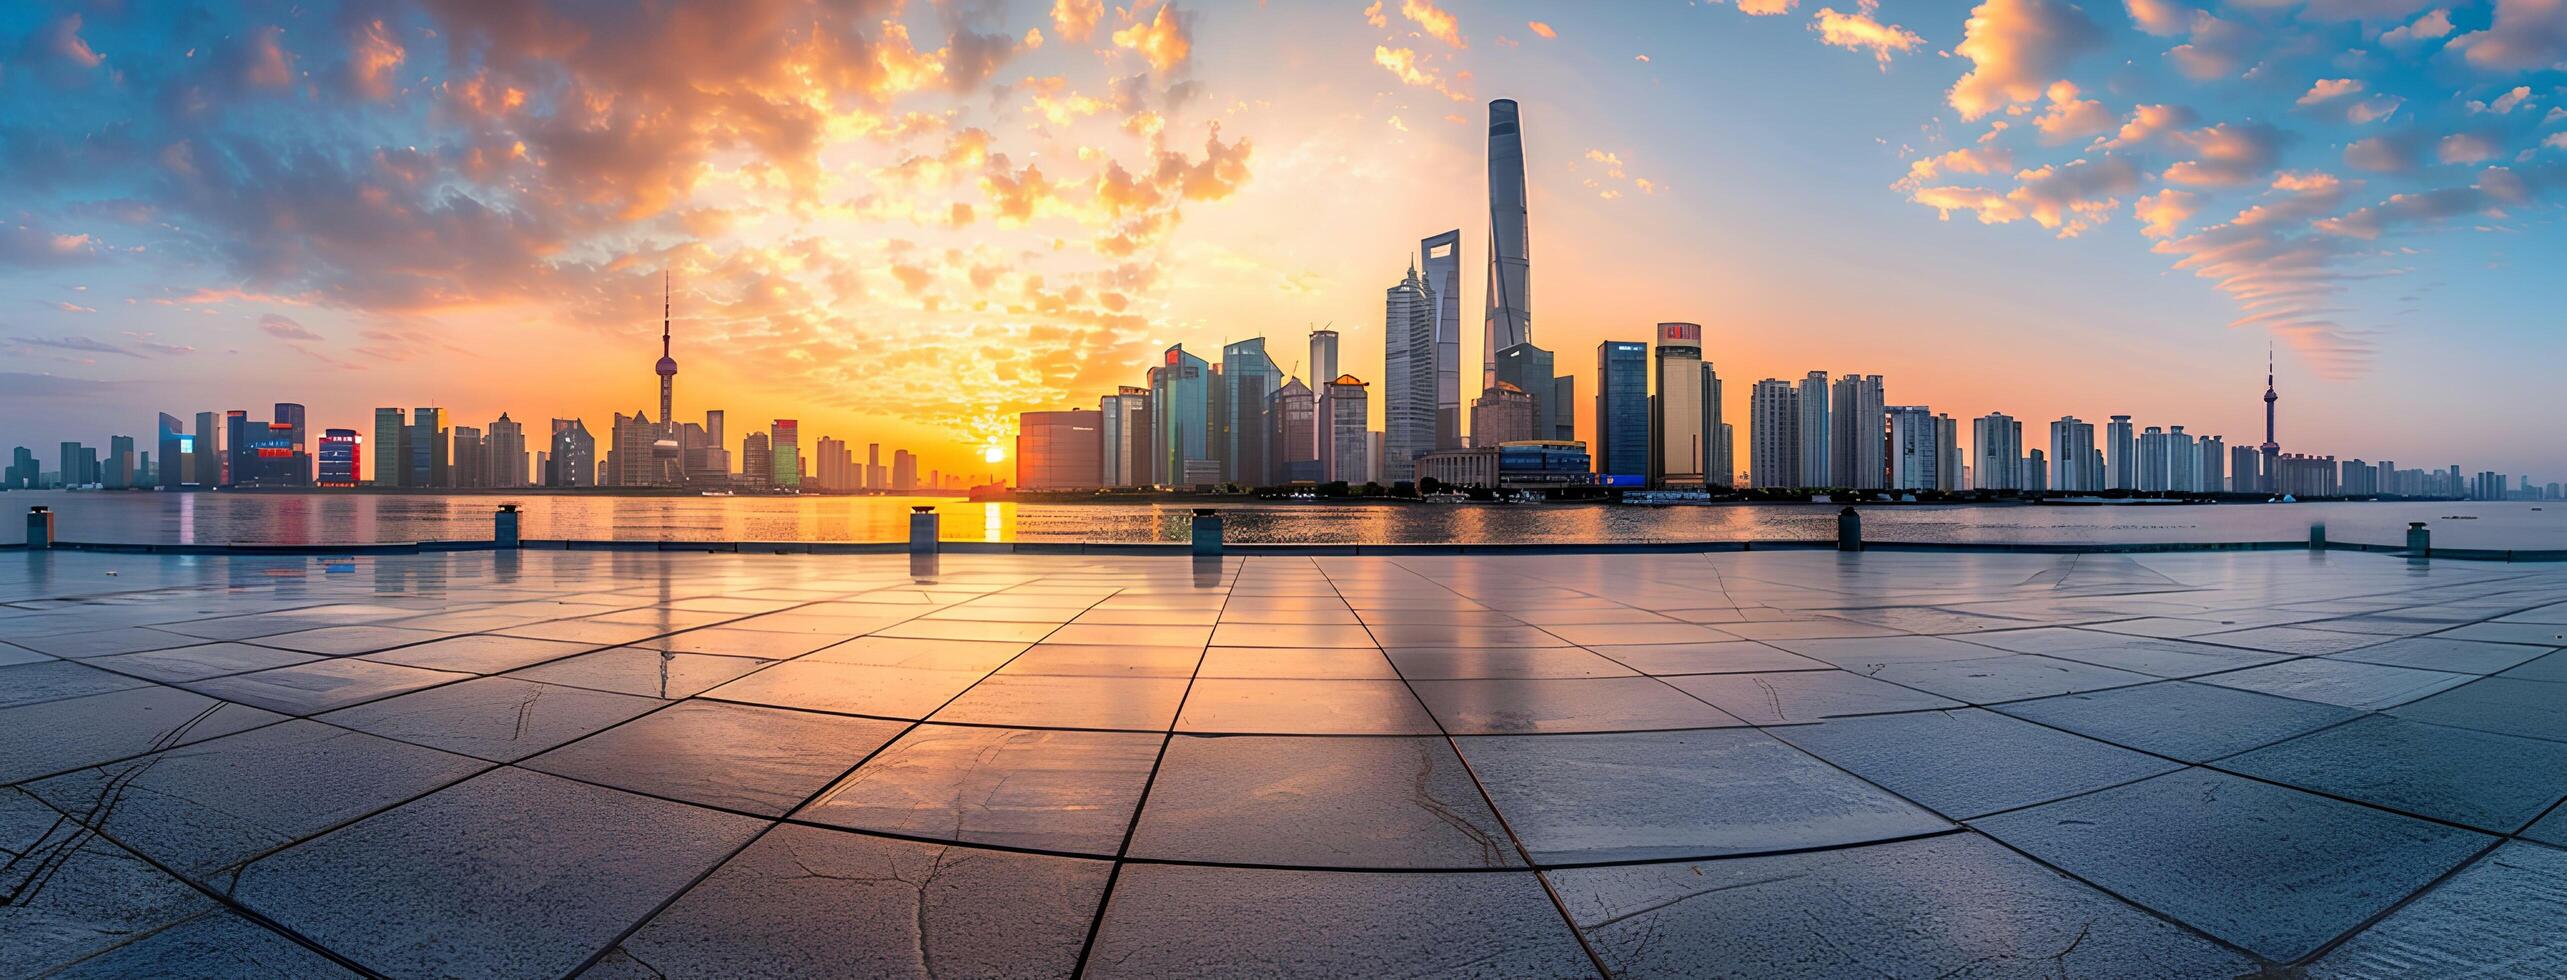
(2273,870)
(1653,795)
(2353,684)
(2495,783)
(1735,657)
(1296,707)
(2441,653)
(848,905)
(1057,791)
(207,806)
(1587,704)
(856,689)
(648,673)
(199,662)
(2005,677)
(56,736)
(1450,663)
(1795,697)
(1319,802)
(2188,721)
(509,873)
(312,688)
(735,756)
(1180,921)
(1126,703)
(1954,905)
(481,654)
(501,719)
(1971,762)
(1283,663)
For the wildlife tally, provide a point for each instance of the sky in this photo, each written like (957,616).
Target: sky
(905,222)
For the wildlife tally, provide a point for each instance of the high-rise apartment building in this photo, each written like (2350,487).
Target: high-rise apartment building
(1817,457)
(471,462)
(2072,448)
(1998,439)
(904,471)
(2153,474)
(1622,408)
(1915,452)
(2121,457)
(507,447)
(1858,418)
(1773,434)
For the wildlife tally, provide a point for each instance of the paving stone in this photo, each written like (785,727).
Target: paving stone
(735,756)
(340,641)
(2165,658)
(2504,705)
(71,892)
(1279,663)
(1319,802)
(1071,792)
(1971,762)
(2550,666)
(2273,870)
(2182,719)
(487,653)
(1183,921)
(1454,663)
(56,736)
(831,902)
(2535,634)
(1123,703)
(54,680)
(2353,684)
(204,807)
(2005,677)
(2551,829)
(11,656)
(1733,657)
(1226,705)
(100,643)
(511,873)
(1582,704)
(322,685)
(728,642)
(199,662)
(217,945)
(2443,653)
(1954,905)
(1801,696)
(856,689)
(647,673)
(501,719)
(2496,917)
(1657,795)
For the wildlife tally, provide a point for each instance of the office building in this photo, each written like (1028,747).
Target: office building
(876,477)
(1058,450)
(757,461)
(507,447)
(1411,372)
(426,443)
(119,471)
(1123,439)
(391,447)
(1998,439)
(1816,456)
(176,449)
(904,471)
(1347,446)
(1181,400)
(342,457)
(784,446)
(1292,413)
(1622,408)
(23,473)
(1531,370)
(1510,278)
(573,460)
(1680,453)
(1502,414)
(471,467)
(1858,420)
(1442,275)
(1773,434)
(1248,380)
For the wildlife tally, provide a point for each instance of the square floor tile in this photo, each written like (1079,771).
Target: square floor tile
(215,944)
(1227,705)
(1585,704)
(1072,792)
(856,689)
(2004,677)
(976,656)
(207,806)
(2550,666)
(850,905)
(511,873)
(2495,783)
(2182,719)
(54,680)
(725,641)
(1182,921)
(1288,664)
(1954,905)
(1320,802)
(101,643)
(2501,912)
(485,653)
(734,756)
(1105,661)
(647,673)
(1971,762)
(197,663)
(2273,870)
(2369,687)
(1734,657)
(340,641)
(2440,653)
(72,893)
(1276,635)
(1443,663)
(322,685)
(2168,658)
(1657,795)
(2551,829)
(1800,696)
(501,719)
(1036,701)
(55,736)
(2505,705)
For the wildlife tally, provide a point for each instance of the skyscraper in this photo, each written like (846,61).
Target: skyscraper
(1292,412)
(1321,370)
(426,444)
(1443,277)
(174,452)
(1530,369)
(1857,418)
(2121,465)
(2152,460)
(471,462)
(1057,450)
(1773,422)
(784,444)
(1123,439)
(207,468)
(1410,373)
(1510,280)
(1248,380)
(342,457)
(1346,449)
(1622,408)
(2072,445)
(1915,449)
(1181,402)
(1999,440)
(1817,459)
(120,463)
(757,460)
(574,455)
(392,448)
(1680,450)
(507,447)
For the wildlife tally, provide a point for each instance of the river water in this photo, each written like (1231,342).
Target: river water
(345,517)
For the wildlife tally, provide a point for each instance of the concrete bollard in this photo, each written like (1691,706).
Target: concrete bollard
(39,528)
(2419,540)
(1207,532)
(503,526)
(2317,537)
(922,529)
(1849,530)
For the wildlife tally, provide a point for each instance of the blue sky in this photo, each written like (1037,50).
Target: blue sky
(907,221)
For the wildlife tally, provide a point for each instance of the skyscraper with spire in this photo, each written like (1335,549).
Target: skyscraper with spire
(2272,449)
(1510,282)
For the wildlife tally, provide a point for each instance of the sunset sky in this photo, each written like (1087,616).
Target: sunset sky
(904,222)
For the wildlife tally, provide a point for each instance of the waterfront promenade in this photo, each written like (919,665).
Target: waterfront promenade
(1785,763)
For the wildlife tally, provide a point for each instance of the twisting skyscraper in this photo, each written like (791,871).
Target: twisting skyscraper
(1510,282)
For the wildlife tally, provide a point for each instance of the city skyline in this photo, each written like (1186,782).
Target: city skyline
(468,275)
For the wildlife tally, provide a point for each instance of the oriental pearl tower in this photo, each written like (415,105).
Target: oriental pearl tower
(664,450)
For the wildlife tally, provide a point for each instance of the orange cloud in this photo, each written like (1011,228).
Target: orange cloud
(1403,64)
(1163,39)
(1541,30)
(2161,213)
(1859,31)
(1436,22)
(1075,20)
(2016,48)
(2070,118)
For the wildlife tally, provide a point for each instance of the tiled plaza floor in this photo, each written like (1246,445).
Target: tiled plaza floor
(1745,764)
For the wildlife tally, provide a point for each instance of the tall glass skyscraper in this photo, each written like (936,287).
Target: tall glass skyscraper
(1248,379)
(1443,261)
(1410,409)
(1530,369)
(1510,282)
(1681,451)
(1622,408)
(1181,402)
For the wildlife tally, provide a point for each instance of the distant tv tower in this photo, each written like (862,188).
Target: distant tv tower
(2272,449)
